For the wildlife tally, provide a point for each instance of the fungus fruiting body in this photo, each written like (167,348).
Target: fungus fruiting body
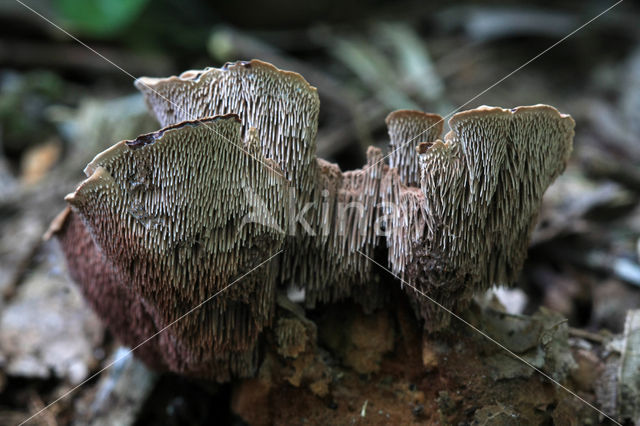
(171,218)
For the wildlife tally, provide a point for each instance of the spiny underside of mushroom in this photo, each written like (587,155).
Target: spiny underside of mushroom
(172,218)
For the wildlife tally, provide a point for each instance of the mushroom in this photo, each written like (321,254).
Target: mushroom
(166,212)
(482,191)
(280,105)
(330,265)
(405,126)
(116,304)
(172,218)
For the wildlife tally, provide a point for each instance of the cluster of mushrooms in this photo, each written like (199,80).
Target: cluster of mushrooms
(167,220)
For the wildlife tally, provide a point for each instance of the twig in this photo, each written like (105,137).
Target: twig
(587,335)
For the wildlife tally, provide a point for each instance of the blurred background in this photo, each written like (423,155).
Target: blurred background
(61,103)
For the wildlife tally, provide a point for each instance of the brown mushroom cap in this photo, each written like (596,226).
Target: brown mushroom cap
(483,187)
(117,305)
(166,209)
(406,129)
(280,105)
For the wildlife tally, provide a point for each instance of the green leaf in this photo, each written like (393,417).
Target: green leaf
(99,18)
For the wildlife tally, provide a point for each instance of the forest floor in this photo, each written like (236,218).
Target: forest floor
(566,315)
